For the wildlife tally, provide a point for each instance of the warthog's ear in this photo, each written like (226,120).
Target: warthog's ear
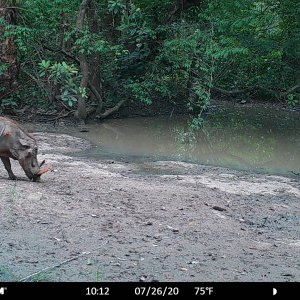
(24,144)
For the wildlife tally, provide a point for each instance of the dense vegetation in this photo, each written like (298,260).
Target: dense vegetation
(92,56)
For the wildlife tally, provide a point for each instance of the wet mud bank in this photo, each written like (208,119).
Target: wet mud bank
(145,221)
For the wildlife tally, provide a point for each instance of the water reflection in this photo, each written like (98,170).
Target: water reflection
(238,138)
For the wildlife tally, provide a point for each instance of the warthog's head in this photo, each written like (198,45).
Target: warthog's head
(28,161)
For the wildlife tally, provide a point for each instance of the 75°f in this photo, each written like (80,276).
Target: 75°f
(203,290)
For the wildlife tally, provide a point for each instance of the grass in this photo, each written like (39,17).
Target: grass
(6,274)
(13,193)
(42,277)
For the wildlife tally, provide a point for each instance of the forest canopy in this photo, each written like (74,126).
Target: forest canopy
(90,57)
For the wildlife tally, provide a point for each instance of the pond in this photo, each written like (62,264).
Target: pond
(244,138)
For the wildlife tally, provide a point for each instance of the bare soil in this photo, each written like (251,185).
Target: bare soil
(114,221)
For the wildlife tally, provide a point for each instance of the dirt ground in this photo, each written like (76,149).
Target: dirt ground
(112,221)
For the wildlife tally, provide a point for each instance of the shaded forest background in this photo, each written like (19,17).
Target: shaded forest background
(91,57)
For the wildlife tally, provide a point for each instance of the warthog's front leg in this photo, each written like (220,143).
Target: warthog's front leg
(7,166)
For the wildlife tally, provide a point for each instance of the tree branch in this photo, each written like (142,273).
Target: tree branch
(62,263)
(290,90)
(37,81)
(112,110)
(233,92)
(13,90)
(15,7)
(62,51)
(98,97)
(82,11)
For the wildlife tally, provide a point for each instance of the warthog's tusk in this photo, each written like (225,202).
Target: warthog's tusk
(43,170)
(42,163)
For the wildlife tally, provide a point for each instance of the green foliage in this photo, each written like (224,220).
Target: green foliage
(3,68)
(141,91)
(89,44)
(8,103)
(61,77)
(116,7)
(150,50)
(293,99)
(196,123)
(58,72)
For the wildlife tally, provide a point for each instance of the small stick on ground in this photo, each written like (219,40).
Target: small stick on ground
(62,263)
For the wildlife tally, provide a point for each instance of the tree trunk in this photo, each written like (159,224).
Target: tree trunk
(81,112)
(91,76)
(9,68)
(94,61)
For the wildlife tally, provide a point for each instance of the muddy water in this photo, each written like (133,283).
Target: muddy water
(258,140)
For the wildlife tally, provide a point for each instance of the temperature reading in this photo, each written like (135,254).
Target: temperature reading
(203,290)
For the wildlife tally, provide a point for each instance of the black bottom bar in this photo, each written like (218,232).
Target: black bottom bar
(155,289)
